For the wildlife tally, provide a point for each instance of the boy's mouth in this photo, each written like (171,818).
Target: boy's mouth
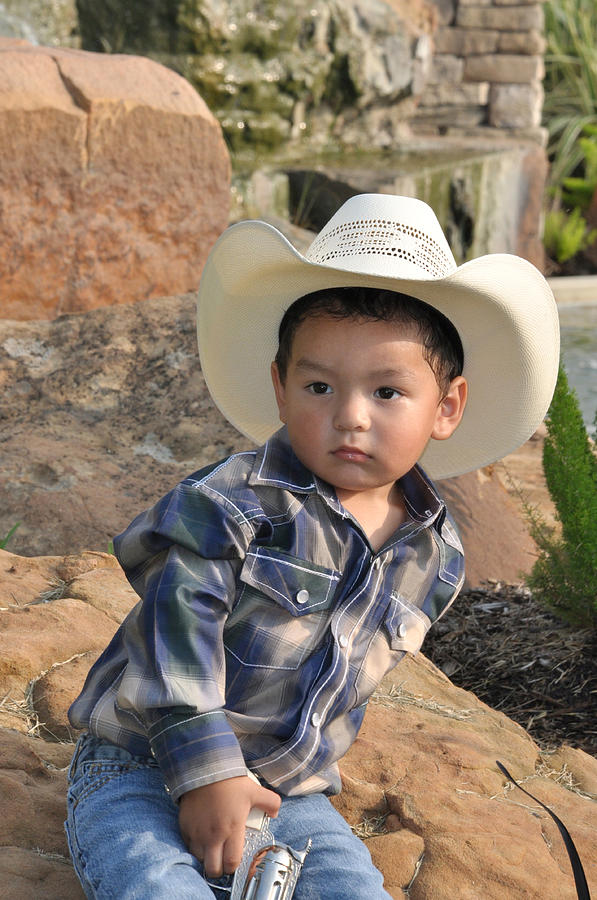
(351,454)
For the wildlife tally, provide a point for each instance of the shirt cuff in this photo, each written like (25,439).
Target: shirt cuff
(194,749)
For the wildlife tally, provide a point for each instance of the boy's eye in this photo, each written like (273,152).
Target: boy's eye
(386,393)
(319,387)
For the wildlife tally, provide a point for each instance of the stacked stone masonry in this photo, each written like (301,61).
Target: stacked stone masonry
(486,71)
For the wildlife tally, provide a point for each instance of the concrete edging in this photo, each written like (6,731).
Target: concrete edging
(574,290)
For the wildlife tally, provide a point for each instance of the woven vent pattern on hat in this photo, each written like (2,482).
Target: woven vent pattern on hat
(382,237)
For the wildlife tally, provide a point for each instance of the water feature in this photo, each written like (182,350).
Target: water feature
(50,22)
(579,354)
(14,25)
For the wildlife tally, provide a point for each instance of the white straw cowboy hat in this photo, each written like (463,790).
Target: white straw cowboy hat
(500,304)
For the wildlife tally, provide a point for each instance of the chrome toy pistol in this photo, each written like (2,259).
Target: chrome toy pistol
(269,869)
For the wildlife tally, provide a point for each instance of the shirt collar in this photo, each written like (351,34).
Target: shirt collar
(422,500)
(277,465)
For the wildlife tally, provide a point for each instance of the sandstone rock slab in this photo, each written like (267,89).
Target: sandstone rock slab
(56,615)
(115,181)
(35,875)
(53,692)
(420,784)
(34,857)
(448,823)
(492,553)
(113,411)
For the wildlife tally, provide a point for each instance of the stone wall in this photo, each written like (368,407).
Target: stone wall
(486,70)
(466,66)
(356,73)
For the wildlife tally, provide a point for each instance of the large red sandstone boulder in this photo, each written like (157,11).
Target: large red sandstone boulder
(114,177)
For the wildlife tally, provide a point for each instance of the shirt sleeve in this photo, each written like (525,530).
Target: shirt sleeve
(182,558)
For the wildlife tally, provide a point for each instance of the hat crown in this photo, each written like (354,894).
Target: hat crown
(384,235)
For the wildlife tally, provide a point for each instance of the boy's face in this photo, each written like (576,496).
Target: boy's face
(361,402)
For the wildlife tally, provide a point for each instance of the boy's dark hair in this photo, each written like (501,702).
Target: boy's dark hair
(442,347)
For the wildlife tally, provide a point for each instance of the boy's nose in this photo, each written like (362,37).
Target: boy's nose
(351,415)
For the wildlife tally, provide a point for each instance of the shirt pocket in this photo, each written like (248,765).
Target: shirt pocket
(281,612)
(406,625)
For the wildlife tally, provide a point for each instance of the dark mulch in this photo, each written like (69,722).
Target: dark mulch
(519,658)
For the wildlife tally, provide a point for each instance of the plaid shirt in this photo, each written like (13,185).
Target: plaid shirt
(266,622)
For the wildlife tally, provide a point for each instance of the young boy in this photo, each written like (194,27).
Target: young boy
(278,586)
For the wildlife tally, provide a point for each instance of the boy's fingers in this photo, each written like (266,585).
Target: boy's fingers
(268,802)
(223,858)
(232,852)
(212,860)
(218,839)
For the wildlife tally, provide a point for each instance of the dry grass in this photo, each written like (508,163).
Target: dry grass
(396,695)
(22,709)
(370,827)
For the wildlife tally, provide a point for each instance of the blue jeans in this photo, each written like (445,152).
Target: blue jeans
(122,829)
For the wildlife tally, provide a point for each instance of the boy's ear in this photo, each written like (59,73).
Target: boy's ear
(280,391)
(450,409)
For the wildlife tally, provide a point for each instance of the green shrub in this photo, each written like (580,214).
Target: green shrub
(566,234)
(565,574)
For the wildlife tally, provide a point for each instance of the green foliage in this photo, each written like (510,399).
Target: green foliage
(578,191)
(570,81)
(565,574)
(566,234)
(570,116)
(4,541)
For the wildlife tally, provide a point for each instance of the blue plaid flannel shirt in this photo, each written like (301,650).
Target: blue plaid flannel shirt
(265,622)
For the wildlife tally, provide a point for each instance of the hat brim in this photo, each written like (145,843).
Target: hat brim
(500,304)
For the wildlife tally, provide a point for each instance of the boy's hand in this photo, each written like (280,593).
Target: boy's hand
(212,820)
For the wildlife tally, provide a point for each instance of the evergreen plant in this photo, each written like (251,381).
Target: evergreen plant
(565,574)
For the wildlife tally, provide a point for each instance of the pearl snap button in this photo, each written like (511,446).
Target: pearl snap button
(343,640)
(315,719)
(402,629)
(302,596)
